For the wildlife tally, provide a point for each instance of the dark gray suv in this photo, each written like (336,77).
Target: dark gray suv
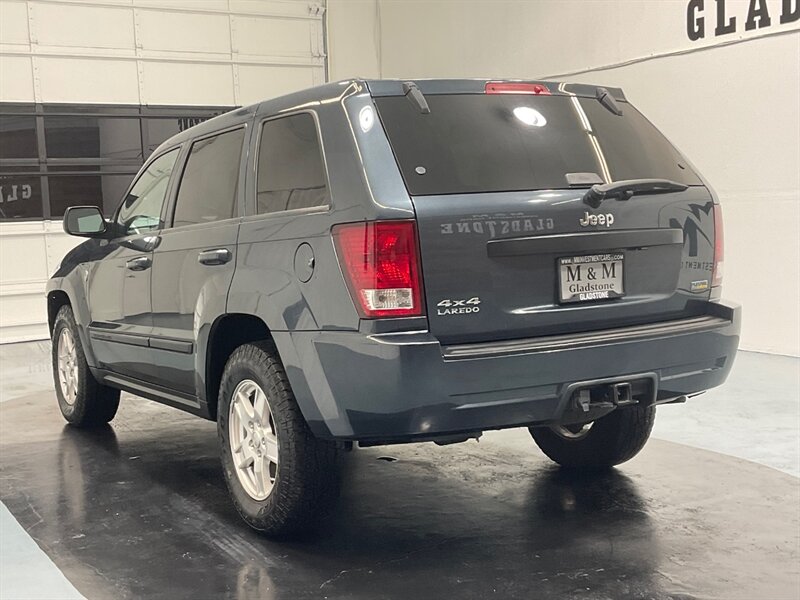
(379,262)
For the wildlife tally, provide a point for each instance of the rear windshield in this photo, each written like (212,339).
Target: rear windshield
(493,143)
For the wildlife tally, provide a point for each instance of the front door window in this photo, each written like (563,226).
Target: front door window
(141,209)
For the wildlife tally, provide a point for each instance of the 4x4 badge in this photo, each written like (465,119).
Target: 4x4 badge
(458,307)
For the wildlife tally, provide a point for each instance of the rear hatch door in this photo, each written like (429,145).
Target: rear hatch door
(510,247)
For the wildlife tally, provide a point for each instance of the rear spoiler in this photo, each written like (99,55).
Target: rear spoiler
(399,87)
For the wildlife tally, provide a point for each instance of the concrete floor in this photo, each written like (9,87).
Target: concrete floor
(140,508)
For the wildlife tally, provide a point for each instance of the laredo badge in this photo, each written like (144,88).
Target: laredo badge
(458,307)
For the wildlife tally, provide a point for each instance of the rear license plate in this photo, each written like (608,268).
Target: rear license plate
(592,277)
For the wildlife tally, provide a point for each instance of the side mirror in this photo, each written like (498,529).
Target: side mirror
(84,221)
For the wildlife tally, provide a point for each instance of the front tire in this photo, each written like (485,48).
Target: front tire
(609,441)
(84,402)
(281,478)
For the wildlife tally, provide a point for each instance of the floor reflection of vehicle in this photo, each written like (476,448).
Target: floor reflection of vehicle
(140,510)
(253,581)
(76,504)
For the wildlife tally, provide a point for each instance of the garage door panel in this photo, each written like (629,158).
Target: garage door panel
(187,84)
(185,32)
(294,8)
(205,5)
(15,245)
(182,53)
(28,308)
(16,79)
(262,36)
(13,23)
(75,26)
(257,83)
(79,79)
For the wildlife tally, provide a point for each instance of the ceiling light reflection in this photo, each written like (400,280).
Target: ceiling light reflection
(530,116)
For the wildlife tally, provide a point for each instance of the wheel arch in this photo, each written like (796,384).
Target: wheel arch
(64,295)
(227,332)
(231,330)
(56,299)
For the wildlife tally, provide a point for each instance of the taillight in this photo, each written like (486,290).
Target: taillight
(719,247)
(380,263)
(499,87)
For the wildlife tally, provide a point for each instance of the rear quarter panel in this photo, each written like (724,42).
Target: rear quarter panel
(266,282)
(364,184)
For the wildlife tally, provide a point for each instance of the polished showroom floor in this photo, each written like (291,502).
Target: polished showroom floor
(139,508)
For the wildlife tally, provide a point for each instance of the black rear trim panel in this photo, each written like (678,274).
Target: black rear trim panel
(575,243)
(580,340)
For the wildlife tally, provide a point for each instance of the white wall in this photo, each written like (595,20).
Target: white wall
(156,52)
(731,103)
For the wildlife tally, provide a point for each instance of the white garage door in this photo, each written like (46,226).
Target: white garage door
(87,89)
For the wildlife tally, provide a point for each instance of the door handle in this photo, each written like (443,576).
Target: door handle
(217,256)
(140,263)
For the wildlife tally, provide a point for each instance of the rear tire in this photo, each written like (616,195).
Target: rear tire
(611,440)
(290,479)
(84,402)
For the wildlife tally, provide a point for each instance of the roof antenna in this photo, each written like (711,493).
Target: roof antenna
(607,100)
(411,91)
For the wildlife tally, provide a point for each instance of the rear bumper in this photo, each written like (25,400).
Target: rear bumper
(398,387)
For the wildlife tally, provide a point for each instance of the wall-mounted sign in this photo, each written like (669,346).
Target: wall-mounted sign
(760,14)
(20,197)
(13,192)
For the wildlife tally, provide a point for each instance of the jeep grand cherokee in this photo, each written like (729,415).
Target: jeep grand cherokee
(375,262)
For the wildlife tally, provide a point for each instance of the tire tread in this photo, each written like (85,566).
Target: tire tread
(96,404)
(612,440)
(308,468)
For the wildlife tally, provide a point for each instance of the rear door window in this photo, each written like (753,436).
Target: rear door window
(209,185)
(493,143)
(291,172)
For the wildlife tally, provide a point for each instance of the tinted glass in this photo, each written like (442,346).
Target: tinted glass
(160,129)
(493,143)
(92,137)
(20,196)
(18,136)
(103,191)
(634,148)
(208,187)
(141,208)
(291,173)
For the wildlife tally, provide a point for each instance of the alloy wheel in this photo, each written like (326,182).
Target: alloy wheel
(253,439)
(573,432)
(67,366)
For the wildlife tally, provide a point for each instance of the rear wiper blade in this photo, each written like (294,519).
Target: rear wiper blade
(624,190)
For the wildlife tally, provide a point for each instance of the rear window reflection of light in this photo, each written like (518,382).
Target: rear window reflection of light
(530,116)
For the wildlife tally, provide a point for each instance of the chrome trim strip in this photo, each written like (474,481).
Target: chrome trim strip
(555,343)
(587,241)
